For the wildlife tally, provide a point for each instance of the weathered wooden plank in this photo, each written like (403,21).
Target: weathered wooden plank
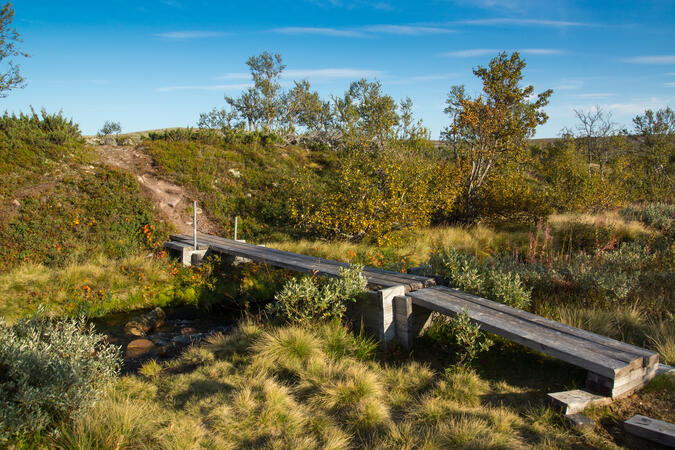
(621,387)
(296,264)
(611,361)
(651,429)
(650,358)
(522,332)
(291,260)
(173,245)
(630,362)
(394,276)
(633,359)
(575,401)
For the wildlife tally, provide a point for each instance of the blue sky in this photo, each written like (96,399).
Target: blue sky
(155,64)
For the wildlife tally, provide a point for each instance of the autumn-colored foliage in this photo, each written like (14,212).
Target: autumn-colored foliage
(372,194)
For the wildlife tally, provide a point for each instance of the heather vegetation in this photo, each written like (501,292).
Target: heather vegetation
(578,229)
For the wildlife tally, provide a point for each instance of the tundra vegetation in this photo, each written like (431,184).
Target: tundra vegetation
(578,229)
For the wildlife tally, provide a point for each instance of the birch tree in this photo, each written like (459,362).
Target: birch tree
(495,126)
(10,78)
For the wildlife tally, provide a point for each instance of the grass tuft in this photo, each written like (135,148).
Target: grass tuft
(286,348)
(151,369)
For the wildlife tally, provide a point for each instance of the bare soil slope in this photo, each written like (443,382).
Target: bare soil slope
(172,200)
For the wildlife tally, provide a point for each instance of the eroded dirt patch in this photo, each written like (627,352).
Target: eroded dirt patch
(173,201)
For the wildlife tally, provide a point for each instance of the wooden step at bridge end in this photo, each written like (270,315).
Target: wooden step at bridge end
(575,401)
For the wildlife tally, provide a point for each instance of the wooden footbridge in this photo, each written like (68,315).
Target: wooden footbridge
(401,304)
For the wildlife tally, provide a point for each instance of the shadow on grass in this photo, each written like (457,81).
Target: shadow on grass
(519,376)
(200,389)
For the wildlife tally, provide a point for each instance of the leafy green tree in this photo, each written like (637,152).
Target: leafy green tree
(306,109)
(366,114)
(261,103)
(110,127)
(454,100)
(408,129)
(495,126)
(655,132)
(247,107)
(218,119)
(11,78)
(266,70)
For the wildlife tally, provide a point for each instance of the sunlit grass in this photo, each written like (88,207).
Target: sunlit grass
(415,247)
(106,283)
(285,387)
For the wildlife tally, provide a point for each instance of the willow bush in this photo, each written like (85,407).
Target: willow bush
(50,371)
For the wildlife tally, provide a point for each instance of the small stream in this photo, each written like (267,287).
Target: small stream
(182,326)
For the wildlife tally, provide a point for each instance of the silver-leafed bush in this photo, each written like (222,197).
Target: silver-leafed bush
(50,370)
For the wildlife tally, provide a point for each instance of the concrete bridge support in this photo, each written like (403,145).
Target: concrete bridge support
(410,319)
(391,316)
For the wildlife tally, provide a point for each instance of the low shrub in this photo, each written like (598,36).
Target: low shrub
(305,300)
(467,273)
(655,215)
(370,195)
(33,147)
(633,271)
(98,212)
(460,335)
(50,371)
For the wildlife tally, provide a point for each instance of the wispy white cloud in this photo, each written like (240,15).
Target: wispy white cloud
(172,3)
(472,52)
(433,77)
(634,106)
(195,34)
(567,84)
(204,87)
(335,32)
(656,59)
(508,5)
(332,73)
(353,4)
(669,73)
(366,31)
(411,30)
(487,51)
(595,95)
(336,72)
(669,84)
(523,22)
(541,51)
(422,78)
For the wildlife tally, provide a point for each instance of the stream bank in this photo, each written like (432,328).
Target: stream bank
(182,326)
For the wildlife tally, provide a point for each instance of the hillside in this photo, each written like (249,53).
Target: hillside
(84,226)
(78,235)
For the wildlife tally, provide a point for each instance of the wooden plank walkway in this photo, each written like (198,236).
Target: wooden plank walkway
(614,368)
(377,278)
